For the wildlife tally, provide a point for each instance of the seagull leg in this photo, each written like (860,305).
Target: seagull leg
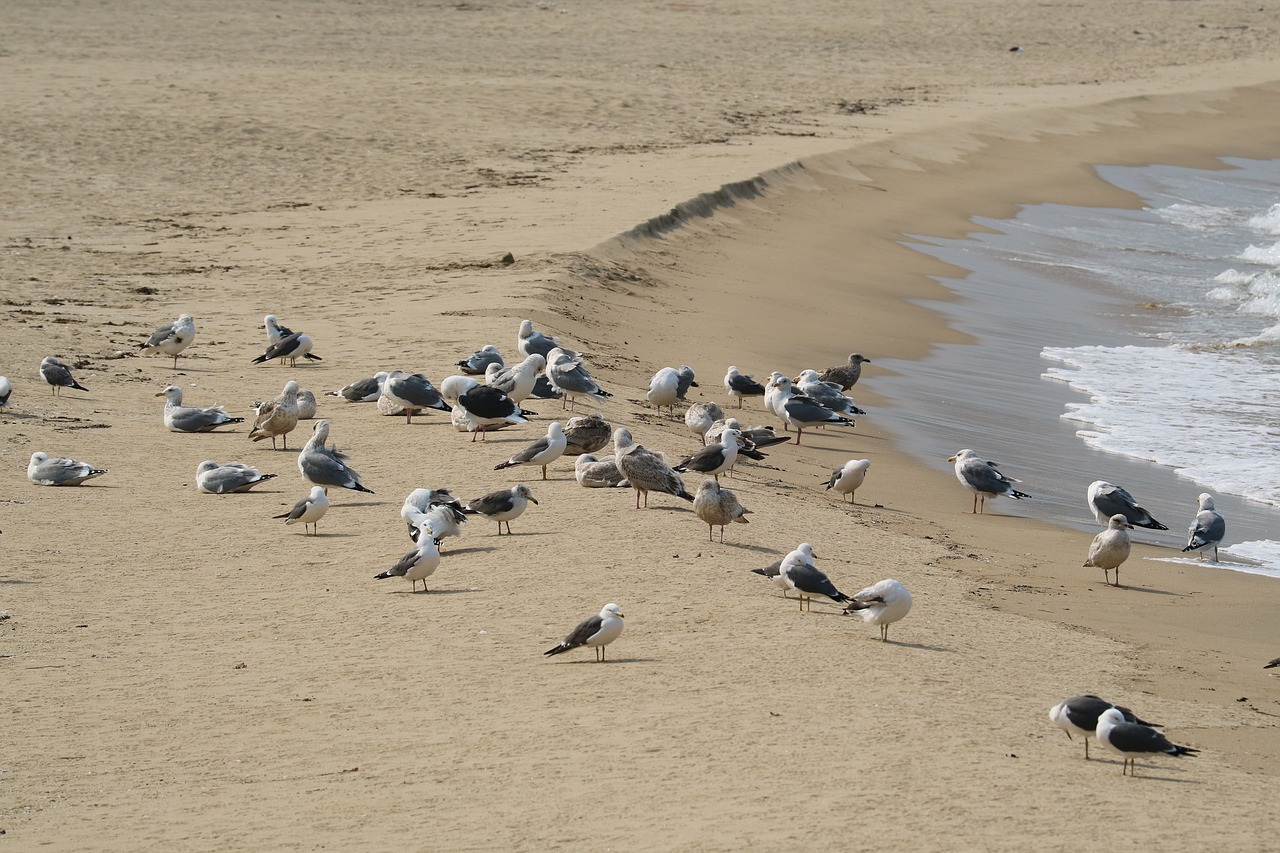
(710,528)
(637,498)
(722,534)
(799,430)
(544,472)
(1086,747)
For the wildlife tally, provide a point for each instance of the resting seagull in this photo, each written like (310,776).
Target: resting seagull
(1208,529)
(542,452)
(502,505)
(278,417)
(58,375)
(291,347)
(586,434)
(881,604)
(664,389)
(807,579)
(646,471)
(362,390)
(476,363)
(327,466)
(1110,548)
(215,479)
(413,393)
(171,338)
(593,473)
(848,477)
(180,418)
(60,471)
(1080,714)
(598,631)
(701,417)
(308,511)
(739,385)
(517,381)
(1130,740)
(1106,500)
(983,479)
(416,565)
(718,507)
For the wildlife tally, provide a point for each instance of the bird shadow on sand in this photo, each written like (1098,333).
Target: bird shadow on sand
(367,503)
(477,549)
(742,546)
(921,646)
(16,581)
(581,661)
(1113,763)
(436,592)
(326,535)
(1151,590)
(524,533)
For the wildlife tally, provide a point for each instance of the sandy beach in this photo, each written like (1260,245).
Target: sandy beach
(677,183)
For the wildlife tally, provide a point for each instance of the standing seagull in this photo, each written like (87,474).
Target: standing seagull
(664,389)
(277,417)
(739,385)
(567,375)
(845,375)
(413,393)
(1208,529)
(542,452)
(58,375)
(502,505)
(416,565)
(291,347)
(801,410)
(275,332)
(1080,714)
(1106,500)
(1110,548)
(598,631)
(60,471)
(485,406)
(807,579)
(309,510)
(180,418)
(881,604)
(646,471)
(983,479)
(476,363)
(171,338)
(5,390)
(848,477)
(1130,740)
(327,466)
(517,381)
(713,458)
(530,341)
(718,507)
(827,394)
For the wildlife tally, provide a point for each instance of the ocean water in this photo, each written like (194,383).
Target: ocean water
(1137,346)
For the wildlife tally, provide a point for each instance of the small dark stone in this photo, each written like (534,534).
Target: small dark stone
(508,259)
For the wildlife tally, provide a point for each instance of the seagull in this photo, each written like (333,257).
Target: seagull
(807,579)
(416,565)
(567,375)
(1130,740)
(327,466)
(758,436)
(593,473)
(848,477)
(293,347)
(215,479)
(739,385)
(1274,662)
(1207,530)
(1106,500)
(881,604)
(475,364)
(1080,714)
(502,505)
(983,479)
(687,380)
(713,459)
(517,381)
(1110,548)
(586,434)
(773,572)
(58,375)
(309,510)
(5,390)
(542,452)
(845,375)
(362,390)
(664,389)
(530,341)
(277,417)
(413,393)
(441,521)
(275,332)
(718,507)
(701,417)
(453,387)
(646,471)
(801,410)
(485,406)
(60,471)
(180,418)
(171,338)
(598,631)
(422,502)
(306,405)
(826,394)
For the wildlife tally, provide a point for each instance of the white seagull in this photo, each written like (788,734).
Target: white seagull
(542,452)
(327,466)
(308,511)
(180,418)
(416,565)
(848,477)
(530,341)
(58,375)
(881,604)
(1129,740)
(215,479)
(1105,500)
(1080,714)
(983,479)
(808,580)
(171,338)
(739,385)
(1208,529)
(598,631)
(502,505)
(60,471)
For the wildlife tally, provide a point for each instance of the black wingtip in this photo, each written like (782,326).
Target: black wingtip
(312,356)
(685,495)
(555,650)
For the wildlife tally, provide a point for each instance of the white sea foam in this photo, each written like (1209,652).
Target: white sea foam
(1269,255)
(1267,223)
(1199,216)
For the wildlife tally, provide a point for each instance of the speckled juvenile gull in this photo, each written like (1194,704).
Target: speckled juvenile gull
(700,417)
(414,393)
(593,473)
(327,466)
(598,631)
(1208,529)
(362,390)
(586,434)
(476,363)
(291,347)
(808,580)
(277,417)
(1079,714)
(502,506)
(542,451)
(308,511)
(1105,500)
(171,338)
(306,405)
(848,477)
(845,375)
(881,604)
(59,471)
(983,479)
(1129,740)
(740,385)
(180,418)
(416,565)
(58,375)
(215,479)
(1110,548)
(718,507)
(646,471)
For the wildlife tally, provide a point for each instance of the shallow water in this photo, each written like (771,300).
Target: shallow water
(1140,347)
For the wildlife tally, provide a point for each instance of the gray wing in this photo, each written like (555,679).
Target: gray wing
(982,477)
(532,450)
(162,334)
(1209,527)
(770,571)
(298,509)
(323,469)
(56,374)
(227,479)
(1083,711)
(191,419)
(575,381)
(745,385)
(1130,737)
(361,390)
(586,629)
(811,580)
(808,410)
(61,470)
(492,503)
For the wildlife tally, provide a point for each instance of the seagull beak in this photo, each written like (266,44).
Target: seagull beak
(535,500)
(159,394)
(951,459)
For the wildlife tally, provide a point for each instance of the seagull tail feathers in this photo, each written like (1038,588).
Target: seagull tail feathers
(312,356)
(1014,493)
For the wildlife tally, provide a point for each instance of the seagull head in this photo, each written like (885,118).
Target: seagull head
(611,610)
(1119,522)
(523,491)
(1205,500)
(172,393)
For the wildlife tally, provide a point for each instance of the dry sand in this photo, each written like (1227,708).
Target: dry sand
(184,673)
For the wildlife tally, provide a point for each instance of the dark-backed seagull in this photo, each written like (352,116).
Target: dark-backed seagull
(1105,500)
(983,479)
(1080,714)
(598,631)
